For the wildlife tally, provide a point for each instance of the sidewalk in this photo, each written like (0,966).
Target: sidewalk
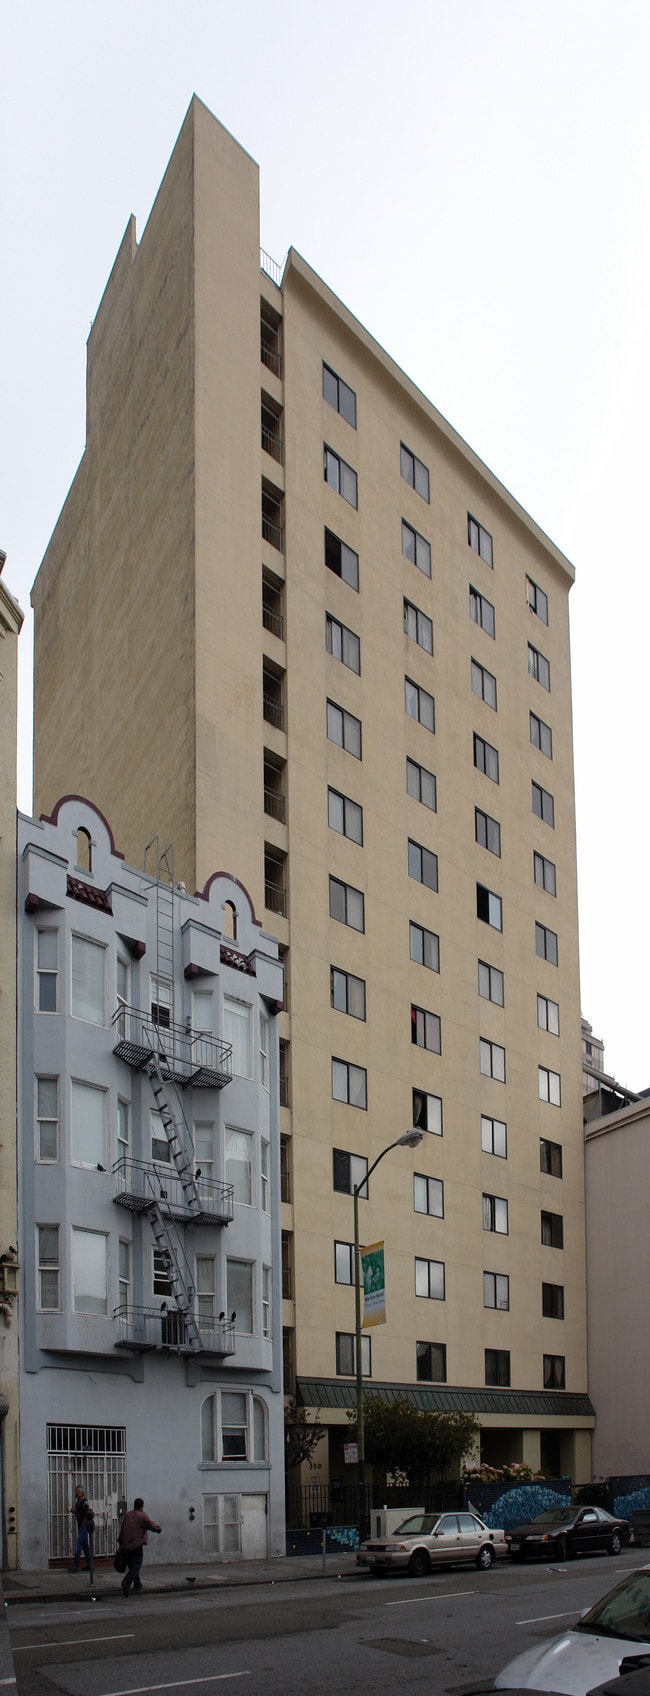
(57,1585)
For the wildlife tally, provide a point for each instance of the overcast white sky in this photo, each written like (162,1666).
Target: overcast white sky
(471,177)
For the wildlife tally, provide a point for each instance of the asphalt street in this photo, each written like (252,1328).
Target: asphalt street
(354,1636)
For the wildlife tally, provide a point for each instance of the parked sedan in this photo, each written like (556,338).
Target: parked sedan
(561,1532)
(611,1637)
(433,1539)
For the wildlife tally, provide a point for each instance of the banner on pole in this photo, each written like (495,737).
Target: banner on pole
(374,1285)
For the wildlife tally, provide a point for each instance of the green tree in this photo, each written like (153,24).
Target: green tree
(301,1436)
(413,1443)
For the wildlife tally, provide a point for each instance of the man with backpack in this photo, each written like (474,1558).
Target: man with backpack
(85,1527)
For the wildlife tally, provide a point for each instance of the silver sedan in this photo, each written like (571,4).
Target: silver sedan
(425,1540)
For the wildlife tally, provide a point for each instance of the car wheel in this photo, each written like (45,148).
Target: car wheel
(561,1549)
(419,1564)
(615,1544)
(485,1558)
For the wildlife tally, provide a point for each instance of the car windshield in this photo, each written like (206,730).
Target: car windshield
(554,1516)
(625,1612)
(419,1525)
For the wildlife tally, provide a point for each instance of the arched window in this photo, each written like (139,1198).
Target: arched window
(208,1428)
(260,1430)
(84,850)
(230,920)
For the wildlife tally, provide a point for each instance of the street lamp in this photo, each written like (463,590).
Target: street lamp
(409,1140)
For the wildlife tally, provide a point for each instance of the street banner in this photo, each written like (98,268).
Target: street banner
(374,1285)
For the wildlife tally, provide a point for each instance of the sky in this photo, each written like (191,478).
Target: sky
(472,178)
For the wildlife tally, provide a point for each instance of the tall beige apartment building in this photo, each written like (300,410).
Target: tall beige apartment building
(289,621)
(11,619)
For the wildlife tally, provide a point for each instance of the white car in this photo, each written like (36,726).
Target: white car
(608,1639)
(425,1540)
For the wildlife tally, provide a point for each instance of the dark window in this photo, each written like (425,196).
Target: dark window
(495,1214)
(548,1015)
(419,704)
(537,600)
(549,1086)
(350,1084)
(484,685)
(421,784)
(489,907)
(480,540)
(539,667)
(486,758)
(349,1171)
(543,805)
(544,874)
(414,472)
(346,904)
(541,735)
(425,1030)
(494,1137)
(553,1301)
(492,1060)
(497,1367)
(554,1372)
(552,1230)
(346,1355)
(431,1363)
(416,548)
(340,476)
(496,1290)
(550,1157)
(427,1112)
(546,944)
(343,1263)
(424,947)
(418,626)
(428,1195)
(422,865)
(487,832)
(481,611)
(339,395)
(430,1279)
(347,993)
(342,643)
(345,816)
(490,983)
(341,559)
(344,729)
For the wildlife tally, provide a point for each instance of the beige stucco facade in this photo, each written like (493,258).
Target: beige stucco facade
(617,1178)
(151,647)
(11,619)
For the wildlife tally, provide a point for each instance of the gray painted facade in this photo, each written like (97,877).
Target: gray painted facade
(149,1200)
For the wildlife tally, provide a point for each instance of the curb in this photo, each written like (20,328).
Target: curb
(95,1594)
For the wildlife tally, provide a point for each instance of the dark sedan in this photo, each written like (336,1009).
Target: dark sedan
(561,1532)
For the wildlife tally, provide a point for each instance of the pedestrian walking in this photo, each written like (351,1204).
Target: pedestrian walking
(85,1527)
(132,1539)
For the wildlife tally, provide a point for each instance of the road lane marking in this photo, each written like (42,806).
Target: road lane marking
(178,1683)
(408,1599)
(65,1642)
(539,1618)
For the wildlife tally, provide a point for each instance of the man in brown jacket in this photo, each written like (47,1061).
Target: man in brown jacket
(132,1539)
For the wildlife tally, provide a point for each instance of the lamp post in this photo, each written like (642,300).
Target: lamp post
(409,1140)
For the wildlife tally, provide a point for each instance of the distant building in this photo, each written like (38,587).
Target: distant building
(149,1198)
(593,1058)
(601,1093)
(11,619)
(617,1168)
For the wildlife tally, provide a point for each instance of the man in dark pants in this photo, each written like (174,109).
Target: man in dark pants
(132,1539)
(85,1526)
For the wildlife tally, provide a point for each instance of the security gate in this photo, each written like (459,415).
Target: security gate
(94,1456)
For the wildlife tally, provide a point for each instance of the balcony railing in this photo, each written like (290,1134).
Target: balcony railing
(140,1329)
(139,1182)
(275,897)
(272,532)
(272,620)
(271,357)
(270,267)
(272,443)
(186,1056)
(273,711)
(274,804)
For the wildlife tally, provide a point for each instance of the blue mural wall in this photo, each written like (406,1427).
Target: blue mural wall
(507,1504)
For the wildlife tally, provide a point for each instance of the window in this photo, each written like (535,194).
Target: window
(554,1372)
(349,1173)
(339,395)
(345,816)
(416,548)
(539,667)
(47,1237)
(205,1290)
(552,1230)
(87,980)
(161,1270)
(347,993)
(479,539)
(422,865)
(344,729)
(265,1182)
(340,476)
(431,1363)
(341,559)
(430,1279)
(161,994)
(537,600)
(229,1433)
(541,735)
(424,947)
(90,1294)
(47,1118)
(494,1137)
(414,472)
(487,832)
(122,997)
(124,1273)
(239,1299)
(267,1330)
(160,1149)
(544,874)
(237,1030)
(239,1164)
(344,1263)
(549,1086)
(270,339)
(548,1015)
(553,1301)
(490,983)
(481,611)
(234,1424)
(346,904)
(428,1196)
(486,758)
(286,1265)
(427,1112)
(425,1030)
(418,626)
(285,1170)
(489,907)
(87,1125)
(497,1367)
(46,971)
(492,1060)
(346,1355)
(546,944)
(495,1214)
(342,643)
(496,1290)
(419,704)
(204,1146)
(543,805)
(265,1038)
(484,685)
(550,1157)
(421,785)
(349,1084)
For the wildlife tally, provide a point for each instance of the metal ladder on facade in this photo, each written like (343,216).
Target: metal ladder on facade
(184,1166)
(183,1290)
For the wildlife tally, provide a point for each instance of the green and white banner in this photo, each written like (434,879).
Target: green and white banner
(374,1285)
